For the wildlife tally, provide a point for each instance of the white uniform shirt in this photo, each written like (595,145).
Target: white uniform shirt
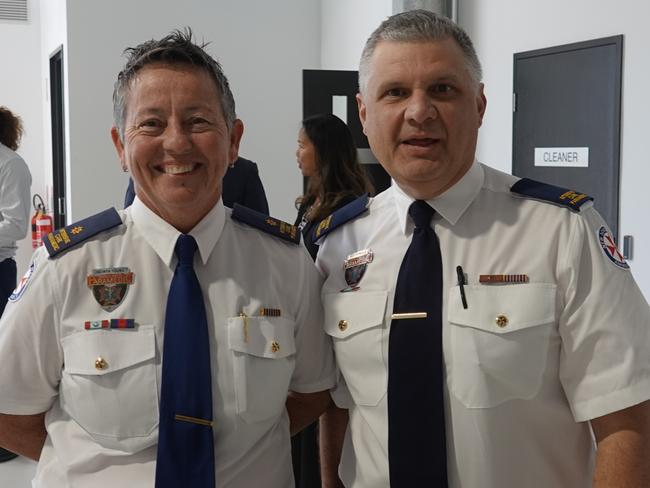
(103,424)
(15,182)
(576,344)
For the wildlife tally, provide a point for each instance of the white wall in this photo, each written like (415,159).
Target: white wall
(346,25)
(262,46)
(22,91)
(505,27)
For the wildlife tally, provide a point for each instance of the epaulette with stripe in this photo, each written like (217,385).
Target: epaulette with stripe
(550,193)
(341,216)
(67,237)
(265,223)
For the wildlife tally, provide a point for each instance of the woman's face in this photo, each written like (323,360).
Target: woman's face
(306,154)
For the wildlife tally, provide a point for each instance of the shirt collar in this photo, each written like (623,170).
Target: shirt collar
(450,205)
(162,237)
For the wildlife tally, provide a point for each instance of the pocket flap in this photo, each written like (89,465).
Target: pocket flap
(262,336)
(348,313)
(118,349)
(503,308)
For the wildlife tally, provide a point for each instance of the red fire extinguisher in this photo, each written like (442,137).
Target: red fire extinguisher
(42,223)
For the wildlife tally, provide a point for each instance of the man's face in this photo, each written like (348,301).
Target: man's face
(421,111)
(176,142)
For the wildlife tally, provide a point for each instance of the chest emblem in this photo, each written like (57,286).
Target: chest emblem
(355,267)
(609,248)
(109,286)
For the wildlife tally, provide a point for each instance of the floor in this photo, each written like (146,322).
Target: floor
(17,473)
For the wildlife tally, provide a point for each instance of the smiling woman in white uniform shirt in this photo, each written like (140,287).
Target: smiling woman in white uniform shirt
(82,343)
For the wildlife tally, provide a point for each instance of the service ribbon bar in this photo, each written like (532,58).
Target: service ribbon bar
(96,324)
(122,323)
(503,278)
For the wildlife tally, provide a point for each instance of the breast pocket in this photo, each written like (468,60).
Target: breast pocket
(355,320)
(109,385)
(263,352)
(500,343)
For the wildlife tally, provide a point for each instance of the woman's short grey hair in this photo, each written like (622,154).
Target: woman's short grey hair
(177,48)
(418,26)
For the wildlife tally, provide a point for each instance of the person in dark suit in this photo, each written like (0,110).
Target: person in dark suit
(241,184)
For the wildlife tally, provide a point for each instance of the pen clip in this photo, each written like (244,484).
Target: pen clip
(461,282)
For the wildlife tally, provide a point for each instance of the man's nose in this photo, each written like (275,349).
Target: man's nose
(420,109)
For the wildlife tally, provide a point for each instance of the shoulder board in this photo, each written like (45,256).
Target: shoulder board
(341,216)
(67,237)
(550,193)
(265,223)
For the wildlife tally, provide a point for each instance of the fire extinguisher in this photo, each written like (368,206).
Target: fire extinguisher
(42,223)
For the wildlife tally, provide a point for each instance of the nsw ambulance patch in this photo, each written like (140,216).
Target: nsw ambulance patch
(22,284)
(609,248)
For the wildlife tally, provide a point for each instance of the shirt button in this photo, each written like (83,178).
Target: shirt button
(275,346)
(343,324)
(501,320)
(100,363)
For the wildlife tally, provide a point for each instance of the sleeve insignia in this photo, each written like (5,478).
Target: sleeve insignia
(67,237)
(341,216)
(571,199)
(265,223)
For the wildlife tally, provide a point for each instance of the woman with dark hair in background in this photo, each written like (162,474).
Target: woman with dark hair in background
(15,183)
(326,155)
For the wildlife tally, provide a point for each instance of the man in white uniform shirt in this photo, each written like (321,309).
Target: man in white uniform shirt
(544,334)
(84,376)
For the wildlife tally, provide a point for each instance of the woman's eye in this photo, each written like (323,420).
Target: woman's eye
(149,124)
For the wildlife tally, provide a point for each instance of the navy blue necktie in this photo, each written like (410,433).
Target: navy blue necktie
(185,441)
(416,418)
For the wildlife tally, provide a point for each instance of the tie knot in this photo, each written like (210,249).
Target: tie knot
(421,213)
(185,249)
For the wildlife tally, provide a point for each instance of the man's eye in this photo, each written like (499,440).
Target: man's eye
(442,88)
(396,92)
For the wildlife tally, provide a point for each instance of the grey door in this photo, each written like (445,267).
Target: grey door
(566,121)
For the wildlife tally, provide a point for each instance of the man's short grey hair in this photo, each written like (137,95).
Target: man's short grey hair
(418,26)
(177,48)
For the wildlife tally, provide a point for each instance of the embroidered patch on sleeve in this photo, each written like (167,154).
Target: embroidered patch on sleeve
(609,248)
(22,284)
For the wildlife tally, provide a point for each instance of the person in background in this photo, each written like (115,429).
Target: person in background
(241,184)
(488,332)
(15,183)
(327,156)
(160,345)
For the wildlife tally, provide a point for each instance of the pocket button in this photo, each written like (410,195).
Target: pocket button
(501,320)
(100,363)
(343,325)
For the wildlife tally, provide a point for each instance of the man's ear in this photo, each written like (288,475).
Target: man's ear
(362,111)
(235,138)
(119,147)
(481,104)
